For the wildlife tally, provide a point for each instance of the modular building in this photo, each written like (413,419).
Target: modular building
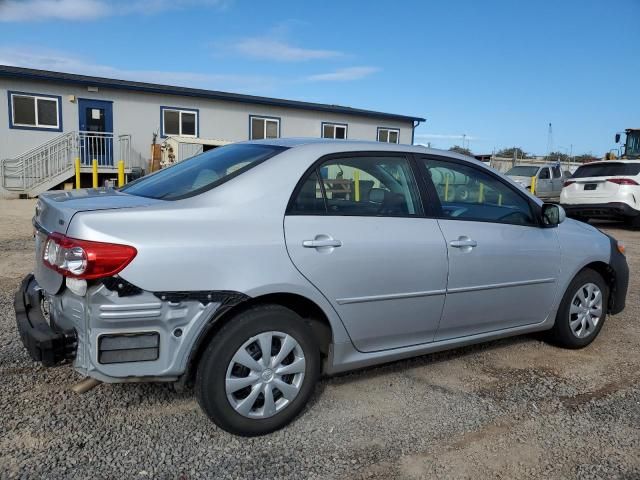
(53,118)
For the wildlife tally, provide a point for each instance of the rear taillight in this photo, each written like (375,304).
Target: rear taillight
(622,181)
(84,259)
(568,182)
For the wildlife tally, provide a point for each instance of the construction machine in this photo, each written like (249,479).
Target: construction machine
(631,149)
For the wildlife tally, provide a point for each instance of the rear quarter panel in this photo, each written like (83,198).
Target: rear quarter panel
(230,238)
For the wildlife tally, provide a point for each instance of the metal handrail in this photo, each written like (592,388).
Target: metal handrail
(40,164)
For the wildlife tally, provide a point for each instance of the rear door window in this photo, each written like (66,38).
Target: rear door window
(610,169)
(362,186)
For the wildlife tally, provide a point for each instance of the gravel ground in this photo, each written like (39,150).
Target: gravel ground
(516,408)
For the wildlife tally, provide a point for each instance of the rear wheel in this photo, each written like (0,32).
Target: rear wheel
(582,311)
(259,371)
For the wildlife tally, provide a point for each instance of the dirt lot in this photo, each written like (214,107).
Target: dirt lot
(517,408)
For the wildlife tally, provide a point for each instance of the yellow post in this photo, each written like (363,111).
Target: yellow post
(121,173)
(356,179)
(78,172)
(481,194)
(94,164)
(446,188)
(533,185)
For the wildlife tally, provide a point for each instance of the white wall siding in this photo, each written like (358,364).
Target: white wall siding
(138,114)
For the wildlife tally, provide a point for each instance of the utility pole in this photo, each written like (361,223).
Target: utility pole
(549,139)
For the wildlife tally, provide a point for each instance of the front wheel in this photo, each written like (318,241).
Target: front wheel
(582,311)
(259,371)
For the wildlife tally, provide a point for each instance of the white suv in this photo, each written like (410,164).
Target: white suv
(607,189)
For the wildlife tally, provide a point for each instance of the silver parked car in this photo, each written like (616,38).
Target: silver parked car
(252,269)
(549,179)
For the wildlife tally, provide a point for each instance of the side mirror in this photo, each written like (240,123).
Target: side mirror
(552,214)
(617,138)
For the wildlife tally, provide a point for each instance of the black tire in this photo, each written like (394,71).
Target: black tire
(212,369)
(561,334)
(633,222)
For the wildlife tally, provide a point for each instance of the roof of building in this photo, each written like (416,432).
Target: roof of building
(72,78)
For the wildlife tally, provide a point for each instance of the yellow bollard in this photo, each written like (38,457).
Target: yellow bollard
(533,185)
(446,188)
(121,173)
(78,173)
(94,165)
(356,179)
(481,194)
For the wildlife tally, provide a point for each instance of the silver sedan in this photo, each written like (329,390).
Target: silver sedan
(252,269)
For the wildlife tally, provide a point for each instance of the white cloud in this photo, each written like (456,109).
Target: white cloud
(344,74)
(272,49)
(37,10)
(29,10)
(62,62)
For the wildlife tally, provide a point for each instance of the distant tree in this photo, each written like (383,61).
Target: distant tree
(586,158)
(557,157)
(462,150)
(509,152)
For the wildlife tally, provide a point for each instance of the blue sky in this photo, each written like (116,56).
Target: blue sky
(496,71)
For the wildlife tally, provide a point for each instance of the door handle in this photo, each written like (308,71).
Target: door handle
(463,242)
(325,242)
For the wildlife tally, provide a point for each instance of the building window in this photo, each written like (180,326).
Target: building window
(27,110)
(388,135)
(263,127)
(334,130)
(181,122)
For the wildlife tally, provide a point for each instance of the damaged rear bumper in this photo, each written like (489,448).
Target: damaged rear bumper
(117,333)
(44,341)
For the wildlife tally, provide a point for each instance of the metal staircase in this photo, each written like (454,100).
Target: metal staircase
(51,163)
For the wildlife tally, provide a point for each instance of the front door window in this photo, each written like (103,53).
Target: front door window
(468,193)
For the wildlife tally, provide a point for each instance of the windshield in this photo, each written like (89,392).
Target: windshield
(632,148)
(523,171)
(202,172)
(610,169)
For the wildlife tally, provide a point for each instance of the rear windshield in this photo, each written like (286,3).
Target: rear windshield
(613,169)
(523,171)
(202,172)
